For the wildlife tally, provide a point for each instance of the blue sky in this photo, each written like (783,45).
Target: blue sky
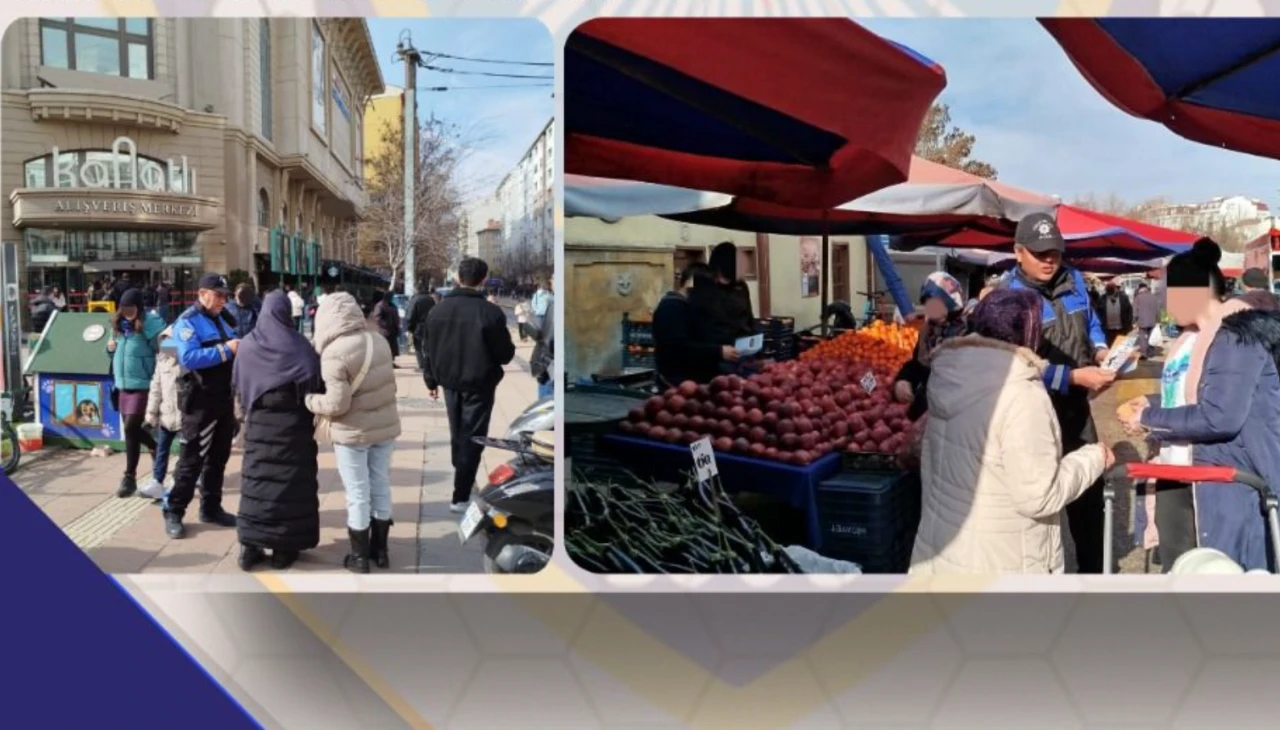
(505,121)
(1046,129)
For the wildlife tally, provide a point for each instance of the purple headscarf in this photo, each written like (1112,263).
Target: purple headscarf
(274,354)
(1009,315)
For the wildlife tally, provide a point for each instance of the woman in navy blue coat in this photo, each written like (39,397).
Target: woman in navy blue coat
(1219,405)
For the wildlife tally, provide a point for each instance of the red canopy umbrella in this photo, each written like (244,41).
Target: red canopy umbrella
(1203,78)
(1092,234)
(808,112)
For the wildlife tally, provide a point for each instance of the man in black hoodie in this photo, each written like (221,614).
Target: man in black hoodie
(42,309)
(684,342)
(416,325)
(468,345)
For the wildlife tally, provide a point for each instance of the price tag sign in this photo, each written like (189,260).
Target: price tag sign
(868,381)
(704,459)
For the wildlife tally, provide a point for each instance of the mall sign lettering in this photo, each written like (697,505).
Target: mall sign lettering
(131,207)
(99,173)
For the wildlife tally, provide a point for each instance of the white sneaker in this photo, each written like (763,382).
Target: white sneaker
(152,489)
(459,507)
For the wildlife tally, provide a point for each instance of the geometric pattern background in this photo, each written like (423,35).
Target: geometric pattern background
(568,650)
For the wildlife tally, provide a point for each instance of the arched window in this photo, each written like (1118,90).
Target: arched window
(264,209)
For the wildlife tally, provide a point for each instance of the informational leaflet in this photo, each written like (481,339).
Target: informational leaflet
(1122,357)
(747,346)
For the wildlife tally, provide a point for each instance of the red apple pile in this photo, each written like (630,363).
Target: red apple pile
(793,412)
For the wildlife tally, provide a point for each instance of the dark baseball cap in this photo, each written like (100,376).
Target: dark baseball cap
(1039,233)
(1255,279)
(215,282)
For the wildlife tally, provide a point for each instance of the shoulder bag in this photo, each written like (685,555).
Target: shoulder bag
(324,424)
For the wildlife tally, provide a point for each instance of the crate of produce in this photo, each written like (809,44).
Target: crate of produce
(860,461)
(869,518)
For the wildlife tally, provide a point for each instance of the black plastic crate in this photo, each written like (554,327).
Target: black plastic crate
(869,518)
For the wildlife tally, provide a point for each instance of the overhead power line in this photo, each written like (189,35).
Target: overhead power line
(485,86)
(442,69)
(487,60)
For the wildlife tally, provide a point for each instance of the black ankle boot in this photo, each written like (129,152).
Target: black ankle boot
(357,561)
(282,559)
(380,530)
(128,485)
(250,556)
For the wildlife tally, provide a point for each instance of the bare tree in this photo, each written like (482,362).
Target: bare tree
(437,200)
(941,142)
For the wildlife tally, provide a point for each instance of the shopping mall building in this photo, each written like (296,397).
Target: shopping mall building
(164,147)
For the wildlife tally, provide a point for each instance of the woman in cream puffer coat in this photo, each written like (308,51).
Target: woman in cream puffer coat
(363,421)
(993,474)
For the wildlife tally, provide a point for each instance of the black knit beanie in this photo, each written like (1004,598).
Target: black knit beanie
(1196,268)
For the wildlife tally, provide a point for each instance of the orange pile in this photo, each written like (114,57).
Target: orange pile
(882,345)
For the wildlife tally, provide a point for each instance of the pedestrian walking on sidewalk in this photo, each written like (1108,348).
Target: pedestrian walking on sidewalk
(135,336)
(275,370)
(163,415)
(206,351)
(416,324)
(542,361)
(468,345)
(357,412)
(541,303)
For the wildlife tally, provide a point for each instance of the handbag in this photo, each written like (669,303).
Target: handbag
(324,424)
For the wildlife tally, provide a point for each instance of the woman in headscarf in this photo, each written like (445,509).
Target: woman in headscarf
(944,314)
(1219,404)
(994,478)
(276,368)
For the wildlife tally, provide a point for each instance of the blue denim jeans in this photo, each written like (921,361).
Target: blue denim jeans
(164,444)
(366,477)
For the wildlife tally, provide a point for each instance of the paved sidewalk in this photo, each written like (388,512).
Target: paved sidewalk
(77,491)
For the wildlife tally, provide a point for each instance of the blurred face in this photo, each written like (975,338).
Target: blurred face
(1039,267)
(1187,304)
(129,312)
(935,309)
(212,300)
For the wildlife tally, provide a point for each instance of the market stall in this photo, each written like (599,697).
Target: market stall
(818,435)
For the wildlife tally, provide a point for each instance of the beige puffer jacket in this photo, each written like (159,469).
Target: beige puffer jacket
(162,403)
(369,415)
(995,480)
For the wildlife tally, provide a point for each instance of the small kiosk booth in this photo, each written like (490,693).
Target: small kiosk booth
(73,382)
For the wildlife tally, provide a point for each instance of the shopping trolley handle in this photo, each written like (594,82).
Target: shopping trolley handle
(1187,474)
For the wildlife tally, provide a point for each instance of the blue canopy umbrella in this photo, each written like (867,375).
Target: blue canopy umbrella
(1211,80)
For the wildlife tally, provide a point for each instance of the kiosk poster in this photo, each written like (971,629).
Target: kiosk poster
(78,410)
(810,266)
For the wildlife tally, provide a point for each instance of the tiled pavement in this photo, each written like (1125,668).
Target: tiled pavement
(76,490)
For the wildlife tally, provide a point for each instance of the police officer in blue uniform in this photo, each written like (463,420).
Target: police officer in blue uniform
(205,336)
(1074,345)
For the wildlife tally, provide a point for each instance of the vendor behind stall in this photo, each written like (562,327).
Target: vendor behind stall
(684,344)
(727,304)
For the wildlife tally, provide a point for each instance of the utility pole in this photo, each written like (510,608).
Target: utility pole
(411,58)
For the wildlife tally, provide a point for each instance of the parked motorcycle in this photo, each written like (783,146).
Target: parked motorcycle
(515,511)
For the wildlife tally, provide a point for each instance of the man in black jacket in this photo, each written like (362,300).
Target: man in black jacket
(684,343)
(42,309)
(468,345)
(416,324)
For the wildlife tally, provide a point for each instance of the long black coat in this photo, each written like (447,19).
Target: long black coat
(279,493)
